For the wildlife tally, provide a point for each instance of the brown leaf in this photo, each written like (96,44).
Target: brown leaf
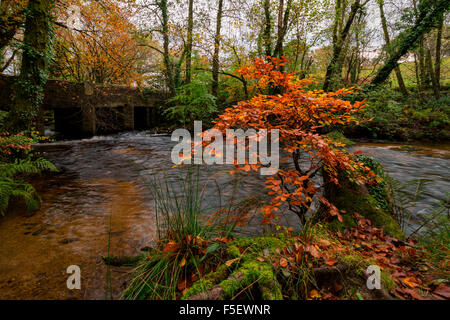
(313,251)
(324,242)
(283,262)
(331,262)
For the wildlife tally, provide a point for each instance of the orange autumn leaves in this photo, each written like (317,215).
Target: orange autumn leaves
(103,50)
(298,113)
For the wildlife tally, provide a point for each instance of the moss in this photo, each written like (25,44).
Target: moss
(233,251)
(339,137)
(258,244)
(248,267)
(387,282)
(252,271)
(367,206)
(356,262)
(350,197)
(207,282)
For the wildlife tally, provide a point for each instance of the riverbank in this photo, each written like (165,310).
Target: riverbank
(391,116)
(314,264)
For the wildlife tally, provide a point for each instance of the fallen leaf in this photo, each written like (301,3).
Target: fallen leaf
(410,282)
(283,262)
(260,259)
(313,251)
(314,294)
(331,262)
(230,262)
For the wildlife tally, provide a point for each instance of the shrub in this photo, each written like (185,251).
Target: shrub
(192,102)
(16,161)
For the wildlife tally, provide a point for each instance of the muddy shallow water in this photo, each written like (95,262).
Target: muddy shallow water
(100,192)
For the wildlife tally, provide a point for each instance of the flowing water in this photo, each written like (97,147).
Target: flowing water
(100,199)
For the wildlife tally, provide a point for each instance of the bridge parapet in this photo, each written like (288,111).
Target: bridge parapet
(88,97)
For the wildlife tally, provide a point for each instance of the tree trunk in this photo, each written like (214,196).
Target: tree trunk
(216,64)
(189,42)
(424,23)
(29,87)
(279,44)
(267,35)
(429,64)
(437,63)
(416,70)
(283,22)
(387,40)
(166,53)
(338,44)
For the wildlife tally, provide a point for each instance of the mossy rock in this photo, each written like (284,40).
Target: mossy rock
(339,137)
(253,271)
(207,282)
(257,245)
(352,201)
(245,271)
(351,197)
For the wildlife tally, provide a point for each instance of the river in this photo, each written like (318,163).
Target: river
(101,192)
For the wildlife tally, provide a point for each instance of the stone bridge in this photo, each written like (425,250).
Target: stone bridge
(86,108)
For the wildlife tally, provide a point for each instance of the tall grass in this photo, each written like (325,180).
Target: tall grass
(183,240)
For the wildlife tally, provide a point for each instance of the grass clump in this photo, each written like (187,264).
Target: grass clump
(183,242)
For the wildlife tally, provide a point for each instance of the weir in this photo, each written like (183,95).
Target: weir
(87,109)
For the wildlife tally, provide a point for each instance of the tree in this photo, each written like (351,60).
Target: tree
(102,50)
(12,16)
(162,5)
(283,22)
(189,41)
(429,15)
(29,87)
(437,65)
(215,62)
(387,41)
(298,114)
(267,33)
(341,31)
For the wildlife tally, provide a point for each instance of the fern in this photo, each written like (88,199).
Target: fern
(16,161)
